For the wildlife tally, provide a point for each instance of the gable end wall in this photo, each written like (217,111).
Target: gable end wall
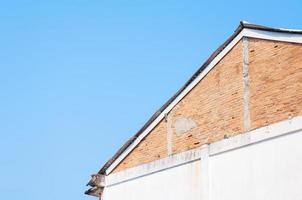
(219,105)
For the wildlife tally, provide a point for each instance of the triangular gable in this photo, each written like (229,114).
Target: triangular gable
(244,30)
(198,118)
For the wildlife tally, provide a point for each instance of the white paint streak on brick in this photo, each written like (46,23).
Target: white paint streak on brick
(246,88)
(169,135)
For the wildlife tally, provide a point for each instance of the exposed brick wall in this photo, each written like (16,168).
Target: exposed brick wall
(152,147)
(275,81)
(215,104)
(214,107)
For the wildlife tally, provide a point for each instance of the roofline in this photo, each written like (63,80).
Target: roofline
(255,31)
(266,28)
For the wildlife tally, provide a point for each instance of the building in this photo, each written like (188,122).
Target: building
(232,132)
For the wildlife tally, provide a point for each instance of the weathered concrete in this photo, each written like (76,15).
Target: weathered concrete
(261,164)
(177,183)
(153,167)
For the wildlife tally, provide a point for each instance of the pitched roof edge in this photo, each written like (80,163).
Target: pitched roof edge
(245,24)
(158,112)
(242,26)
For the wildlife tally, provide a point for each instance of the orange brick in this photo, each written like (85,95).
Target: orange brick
(275,81)
(215,104)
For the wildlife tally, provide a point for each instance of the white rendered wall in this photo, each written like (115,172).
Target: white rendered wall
(263,164)
(177,183)
(268,170)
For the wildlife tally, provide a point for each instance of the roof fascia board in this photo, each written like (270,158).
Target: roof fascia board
(245,32)
(276,36)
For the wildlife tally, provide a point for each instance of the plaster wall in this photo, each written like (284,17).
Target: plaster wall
(177,183)
(271,169)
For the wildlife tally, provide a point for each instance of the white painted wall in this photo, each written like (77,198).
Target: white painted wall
(263,164)
(177,183)
(269,170)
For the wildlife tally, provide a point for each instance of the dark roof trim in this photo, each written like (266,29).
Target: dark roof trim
(157,113)
(265,28)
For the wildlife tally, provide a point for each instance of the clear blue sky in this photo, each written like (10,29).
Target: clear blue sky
(78,78)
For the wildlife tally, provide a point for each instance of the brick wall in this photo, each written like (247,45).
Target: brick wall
(214,108)
(152,147)
(215,105)
(275,81)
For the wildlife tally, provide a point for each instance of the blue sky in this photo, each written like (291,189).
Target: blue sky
(78,78)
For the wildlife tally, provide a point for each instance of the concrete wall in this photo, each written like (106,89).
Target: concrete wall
(263,164)
(177,183)
(263,171)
